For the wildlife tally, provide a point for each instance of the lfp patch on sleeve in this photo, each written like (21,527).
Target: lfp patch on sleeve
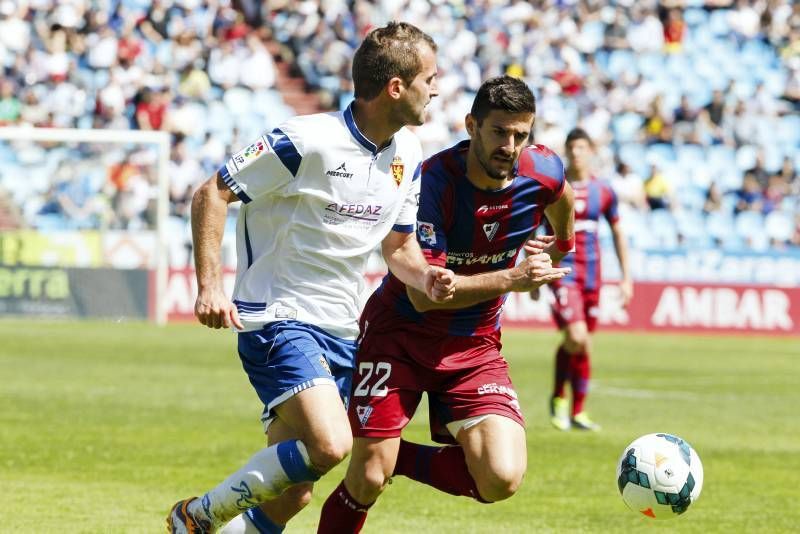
(426,232)
(248,155)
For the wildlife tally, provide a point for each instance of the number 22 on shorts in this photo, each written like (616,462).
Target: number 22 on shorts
(366,370)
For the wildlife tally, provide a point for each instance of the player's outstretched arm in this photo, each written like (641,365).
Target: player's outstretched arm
(404,258)
(561,215)
(621,248)
(209,210)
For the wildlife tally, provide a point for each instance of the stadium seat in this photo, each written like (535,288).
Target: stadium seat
(779,226)
(692,228)
(661,224)
(626,127)
(749,225)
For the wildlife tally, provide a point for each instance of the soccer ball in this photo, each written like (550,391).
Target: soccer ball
(659,475)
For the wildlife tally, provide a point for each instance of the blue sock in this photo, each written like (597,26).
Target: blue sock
(262,521)
(294,463)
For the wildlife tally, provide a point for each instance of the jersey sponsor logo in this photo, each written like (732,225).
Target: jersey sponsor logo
(494,387)
(340,172)
(397,170)
(469,258)
(363,413)
(491,229)
(245,157)
(490,210)
(364,212)
(586,225)
(426,232)
(284,312)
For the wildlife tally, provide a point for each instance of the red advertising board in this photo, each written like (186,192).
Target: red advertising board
(672,306)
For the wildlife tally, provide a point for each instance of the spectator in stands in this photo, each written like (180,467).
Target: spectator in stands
(713,202)
(628,187)
(658,190)
(10,106)
(674,31)
(151,108)
(760,172)
(712,115)
(750,196)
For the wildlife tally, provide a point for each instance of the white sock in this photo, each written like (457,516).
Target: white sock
(265,476)
(239,525)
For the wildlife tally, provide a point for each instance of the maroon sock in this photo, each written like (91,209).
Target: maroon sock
(341,513)
(580,380)
(444,468)
(562,371)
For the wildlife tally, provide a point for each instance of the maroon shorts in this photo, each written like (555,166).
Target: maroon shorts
(573,304)
(464,376)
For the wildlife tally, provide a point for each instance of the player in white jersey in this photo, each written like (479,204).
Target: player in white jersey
(319,193)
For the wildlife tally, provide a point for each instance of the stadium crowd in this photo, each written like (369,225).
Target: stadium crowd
(695,105)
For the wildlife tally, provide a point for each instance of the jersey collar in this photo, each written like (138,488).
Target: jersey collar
(356,133)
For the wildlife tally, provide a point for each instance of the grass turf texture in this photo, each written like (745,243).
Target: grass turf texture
(103,426)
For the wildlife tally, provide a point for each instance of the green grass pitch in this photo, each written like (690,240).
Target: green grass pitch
(104,425)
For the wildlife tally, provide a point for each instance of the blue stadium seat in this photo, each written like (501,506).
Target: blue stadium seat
(779,226)
(719,224)
(749,225)
(718,22)
(626,127)
(692,228)
(661,224)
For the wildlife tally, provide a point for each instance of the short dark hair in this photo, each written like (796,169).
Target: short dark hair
(578,133)
(387,52)
(505,93)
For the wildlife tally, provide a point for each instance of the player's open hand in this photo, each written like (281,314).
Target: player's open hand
(626,292)
(213,309)
(440,284)
(535,271)
(539,244)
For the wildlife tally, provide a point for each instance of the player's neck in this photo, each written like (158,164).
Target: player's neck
(575,175)
(372,121)
(480,179)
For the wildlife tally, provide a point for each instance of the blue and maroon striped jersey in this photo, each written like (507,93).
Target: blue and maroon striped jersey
(593,198)
(472,231)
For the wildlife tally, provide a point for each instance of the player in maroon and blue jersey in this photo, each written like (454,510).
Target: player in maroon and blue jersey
(577,295)
(480,201)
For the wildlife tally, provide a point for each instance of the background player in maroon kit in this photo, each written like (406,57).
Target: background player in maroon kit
(577,295)
(480,201)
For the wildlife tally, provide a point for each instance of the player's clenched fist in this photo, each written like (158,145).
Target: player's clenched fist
(440,284)
(536,270)
(215,310)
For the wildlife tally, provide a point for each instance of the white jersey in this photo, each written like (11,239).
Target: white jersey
(317,197)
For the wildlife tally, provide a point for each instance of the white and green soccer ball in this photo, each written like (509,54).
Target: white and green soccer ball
(659,475)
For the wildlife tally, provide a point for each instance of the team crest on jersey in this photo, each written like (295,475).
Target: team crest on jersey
(245,157)
(324,363)
(490,230)
(426,232)
(363,413)
(397,170)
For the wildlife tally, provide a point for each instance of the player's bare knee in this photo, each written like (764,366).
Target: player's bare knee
(576,342)
(500,484)
(327,454)
(367,486)
(299,495)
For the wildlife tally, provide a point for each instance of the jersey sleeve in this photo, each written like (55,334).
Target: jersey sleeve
(408,212)
(432,218)
(610,211)
(265,167)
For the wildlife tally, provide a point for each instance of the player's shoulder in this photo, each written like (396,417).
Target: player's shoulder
(602,183)
(540,161)
(315,125)
(449,162)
